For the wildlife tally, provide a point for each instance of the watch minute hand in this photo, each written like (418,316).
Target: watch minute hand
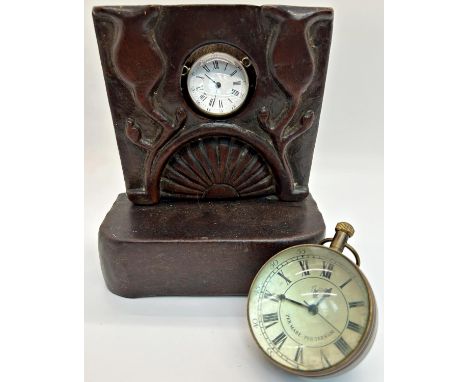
(326,294)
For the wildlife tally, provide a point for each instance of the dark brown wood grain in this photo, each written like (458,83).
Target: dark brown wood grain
(199,247)
(210,199)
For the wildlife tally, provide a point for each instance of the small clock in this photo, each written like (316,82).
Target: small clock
(311,310)
(218,83)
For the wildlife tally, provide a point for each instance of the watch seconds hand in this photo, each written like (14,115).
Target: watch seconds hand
(328,322)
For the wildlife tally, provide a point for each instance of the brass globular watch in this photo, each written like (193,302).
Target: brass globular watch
(311,310)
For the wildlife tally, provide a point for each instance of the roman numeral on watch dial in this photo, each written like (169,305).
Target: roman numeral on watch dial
(345,283)
(269,296)
(327,270)
(343,346)
(281,274)
(305,267)
(279,340)
(324,359)
(299,356)
(356,304)
(271,318)
(355,327)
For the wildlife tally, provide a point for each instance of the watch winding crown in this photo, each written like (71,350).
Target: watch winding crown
(345,227)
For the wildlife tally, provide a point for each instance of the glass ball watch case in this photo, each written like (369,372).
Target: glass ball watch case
(311,310)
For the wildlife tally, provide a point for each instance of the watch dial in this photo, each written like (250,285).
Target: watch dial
(308,308)
(218,84)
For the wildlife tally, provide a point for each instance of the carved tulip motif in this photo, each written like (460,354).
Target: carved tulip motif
(139,64)
(291,55)
(291,63)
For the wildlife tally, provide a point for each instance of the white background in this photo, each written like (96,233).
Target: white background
(172,339)
(41,219)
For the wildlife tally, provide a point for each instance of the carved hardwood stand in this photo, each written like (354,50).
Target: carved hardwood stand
(209,199)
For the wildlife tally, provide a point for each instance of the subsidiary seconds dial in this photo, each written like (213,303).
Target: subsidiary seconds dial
(218,84)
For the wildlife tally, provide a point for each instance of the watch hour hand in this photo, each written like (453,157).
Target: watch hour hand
(283,297)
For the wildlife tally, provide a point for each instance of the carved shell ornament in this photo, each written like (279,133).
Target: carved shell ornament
(216,168)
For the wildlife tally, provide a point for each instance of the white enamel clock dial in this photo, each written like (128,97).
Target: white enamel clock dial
(309,310)
(217,84)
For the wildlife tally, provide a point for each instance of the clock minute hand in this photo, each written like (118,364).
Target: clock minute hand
(218,84)
(210,78)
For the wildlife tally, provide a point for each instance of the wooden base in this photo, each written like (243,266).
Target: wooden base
(205,248)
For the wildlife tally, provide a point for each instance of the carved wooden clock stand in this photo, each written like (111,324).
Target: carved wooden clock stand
(216,110)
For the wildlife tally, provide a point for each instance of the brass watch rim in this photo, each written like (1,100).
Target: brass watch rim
(361,349)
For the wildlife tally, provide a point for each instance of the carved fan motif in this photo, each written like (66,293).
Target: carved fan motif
(216,168)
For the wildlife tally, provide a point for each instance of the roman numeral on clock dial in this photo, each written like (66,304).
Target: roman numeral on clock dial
(279,340)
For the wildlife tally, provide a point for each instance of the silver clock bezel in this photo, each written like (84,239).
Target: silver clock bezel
(240,64)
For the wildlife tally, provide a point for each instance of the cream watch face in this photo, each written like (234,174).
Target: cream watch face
(218,84)
(308,309)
